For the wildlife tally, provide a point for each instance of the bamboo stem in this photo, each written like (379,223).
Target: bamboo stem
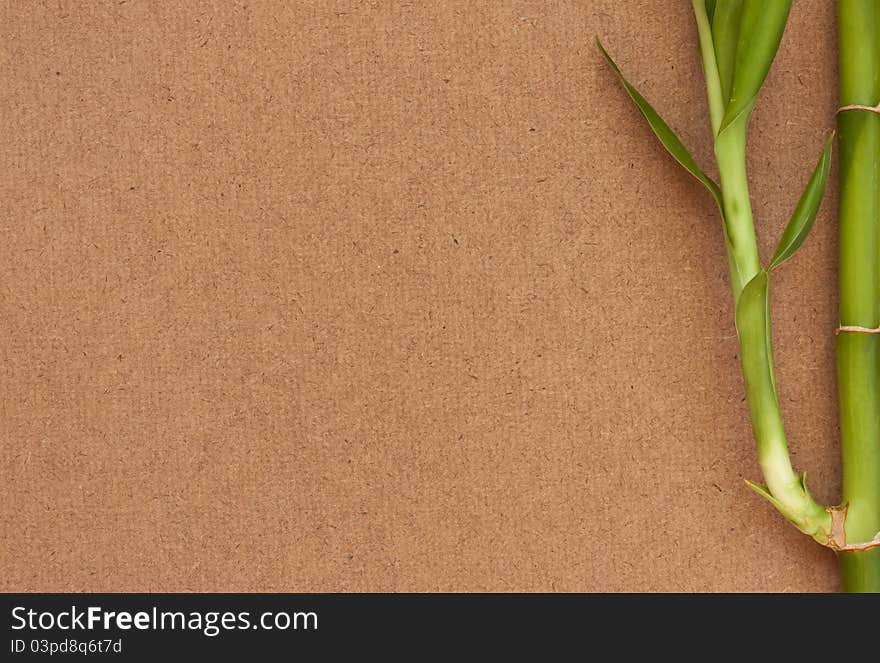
(858,354)
(730,155)
(785,488)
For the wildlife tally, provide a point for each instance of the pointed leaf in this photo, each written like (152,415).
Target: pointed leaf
(753,327)
(763,492)
(710,9)
(805,213)
(725,33)
(670,141)
(760,31)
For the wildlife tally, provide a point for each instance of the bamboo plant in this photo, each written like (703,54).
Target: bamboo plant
(738,40)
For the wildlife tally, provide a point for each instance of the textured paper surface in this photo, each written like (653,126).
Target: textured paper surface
(385,296)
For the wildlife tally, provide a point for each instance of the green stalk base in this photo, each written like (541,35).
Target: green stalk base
(860,571)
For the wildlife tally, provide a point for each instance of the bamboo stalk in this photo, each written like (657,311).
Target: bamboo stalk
(858,354)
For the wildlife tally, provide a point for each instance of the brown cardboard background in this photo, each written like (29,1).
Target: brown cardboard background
(392,296)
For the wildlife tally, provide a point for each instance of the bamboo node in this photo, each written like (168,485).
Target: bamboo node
(837,536)
(861,107)
(856,329)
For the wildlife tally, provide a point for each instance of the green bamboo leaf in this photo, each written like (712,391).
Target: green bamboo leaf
(805,213)
(670,141)
(753,327)
(766,494)
(710,9)
(760,31)
(725,34)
